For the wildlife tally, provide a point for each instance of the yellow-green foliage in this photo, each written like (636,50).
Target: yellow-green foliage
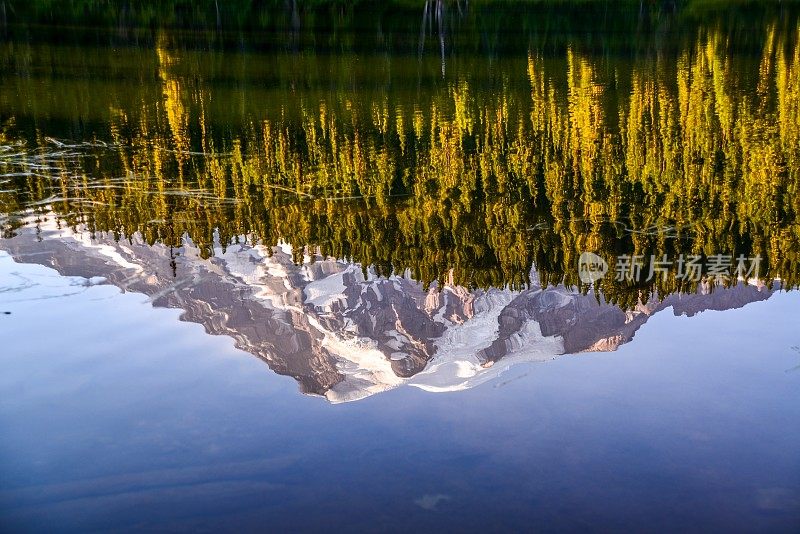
(694,155)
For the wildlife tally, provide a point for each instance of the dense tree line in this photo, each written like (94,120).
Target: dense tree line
(473,179)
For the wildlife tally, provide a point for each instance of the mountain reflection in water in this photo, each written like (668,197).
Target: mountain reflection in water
(347,334)
(456,200)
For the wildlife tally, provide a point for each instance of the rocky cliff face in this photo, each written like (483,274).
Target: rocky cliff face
(343,332)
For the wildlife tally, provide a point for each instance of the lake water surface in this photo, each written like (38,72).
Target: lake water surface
(400,267)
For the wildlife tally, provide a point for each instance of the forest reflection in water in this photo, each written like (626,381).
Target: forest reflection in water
(468,181)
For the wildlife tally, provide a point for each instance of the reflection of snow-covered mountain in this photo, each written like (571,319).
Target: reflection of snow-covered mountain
(345,333)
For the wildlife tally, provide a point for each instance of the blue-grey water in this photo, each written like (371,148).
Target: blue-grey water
(116,415)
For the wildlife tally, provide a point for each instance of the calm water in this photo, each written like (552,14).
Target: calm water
(402,267)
